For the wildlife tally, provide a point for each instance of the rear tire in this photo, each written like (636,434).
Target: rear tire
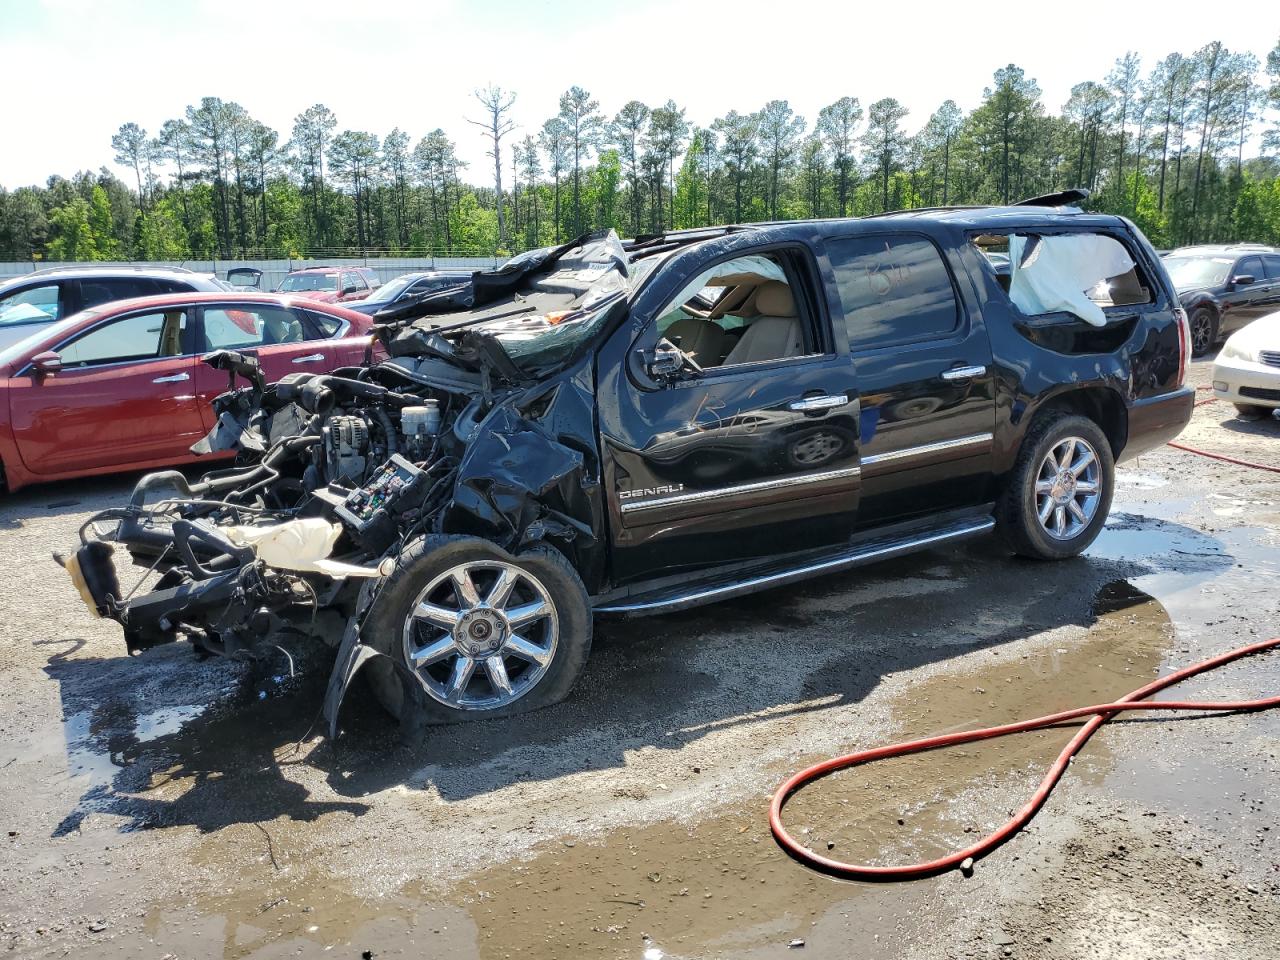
(495,655)
(1056,499)
(1204,331)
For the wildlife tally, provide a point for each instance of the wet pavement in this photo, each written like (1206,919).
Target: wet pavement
(161,806)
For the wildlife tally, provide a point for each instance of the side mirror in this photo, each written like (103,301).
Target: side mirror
(347,290)
(1242,279)
(46,363)
(666,361)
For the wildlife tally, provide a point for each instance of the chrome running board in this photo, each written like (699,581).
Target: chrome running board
(868,552)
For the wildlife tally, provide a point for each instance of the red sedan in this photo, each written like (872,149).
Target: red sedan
(121,386)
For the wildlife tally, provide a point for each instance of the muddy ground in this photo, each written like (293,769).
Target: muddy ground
(163,807)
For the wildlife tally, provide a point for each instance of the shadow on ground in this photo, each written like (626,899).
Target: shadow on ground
(659,682)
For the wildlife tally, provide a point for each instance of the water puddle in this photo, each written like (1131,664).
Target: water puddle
(916,808)
(162,723)
(710,885)
(1132,480)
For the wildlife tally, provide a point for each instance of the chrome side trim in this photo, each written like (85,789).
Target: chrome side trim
(881,551)
(697,496)
(973,441)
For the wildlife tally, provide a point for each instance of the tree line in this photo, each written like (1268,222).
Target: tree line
(1166,146)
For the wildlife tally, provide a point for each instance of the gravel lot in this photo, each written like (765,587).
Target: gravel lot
(165,807)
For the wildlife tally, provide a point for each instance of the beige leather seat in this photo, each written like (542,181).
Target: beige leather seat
(700,339)
(775,333)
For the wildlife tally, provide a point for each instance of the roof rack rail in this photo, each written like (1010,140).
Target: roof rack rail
(43,271)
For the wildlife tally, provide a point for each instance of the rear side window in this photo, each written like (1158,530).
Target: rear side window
(1078,273)
(93,293)
(894,289)
(1272,266)
(321,326)
(231,328)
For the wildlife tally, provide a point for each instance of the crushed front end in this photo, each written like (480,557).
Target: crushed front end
(478,425)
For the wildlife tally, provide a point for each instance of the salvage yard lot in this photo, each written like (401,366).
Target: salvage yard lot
(161,806)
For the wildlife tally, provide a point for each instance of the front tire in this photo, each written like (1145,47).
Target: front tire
(1204,331)
(1058,494)
(471,632)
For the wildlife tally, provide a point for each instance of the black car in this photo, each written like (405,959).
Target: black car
(635,427)
(410,286)
(34,300)
(1224,288)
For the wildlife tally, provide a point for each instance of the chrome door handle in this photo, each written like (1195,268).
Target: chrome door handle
(176,378)
(826,402)
(309,358)
(963,373)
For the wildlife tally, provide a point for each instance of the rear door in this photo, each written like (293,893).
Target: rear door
(124,395)
(924,375)
(1271,294)
(753,456)
(1249,300)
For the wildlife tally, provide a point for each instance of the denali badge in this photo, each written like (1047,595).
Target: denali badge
(650,491)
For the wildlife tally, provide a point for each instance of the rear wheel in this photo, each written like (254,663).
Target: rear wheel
(472,632)
(1059,492)
(1204,331)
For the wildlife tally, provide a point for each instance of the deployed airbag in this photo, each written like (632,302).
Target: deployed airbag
(1059,271)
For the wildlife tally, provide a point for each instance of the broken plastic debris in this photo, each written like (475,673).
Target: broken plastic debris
(302,545)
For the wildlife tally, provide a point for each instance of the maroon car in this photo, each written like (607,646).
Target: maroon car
(331,284)
(121,386)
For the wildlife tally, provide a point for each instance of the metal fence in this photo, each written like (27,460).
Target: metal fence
(273,271)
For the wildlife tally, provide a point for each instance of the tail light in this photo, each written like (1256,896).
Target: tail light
(1184,344)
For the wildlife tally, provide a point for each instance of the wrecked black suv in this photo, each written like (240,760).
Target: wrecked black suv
(625,427)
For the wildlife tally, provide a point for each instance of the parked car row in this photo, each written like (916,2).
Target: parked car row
(120,385)
(99,365)
(359,287)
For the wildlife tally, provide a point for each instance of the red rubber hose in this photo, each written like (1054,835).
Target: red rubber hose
(1101,713)
(1219,456)
(1224,458)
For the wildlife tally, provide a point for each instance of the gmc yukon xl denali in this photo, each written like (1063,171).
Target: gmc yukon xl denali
(633,427)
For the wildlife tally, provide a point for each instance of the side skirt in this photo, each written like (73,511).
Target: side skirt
(868,551)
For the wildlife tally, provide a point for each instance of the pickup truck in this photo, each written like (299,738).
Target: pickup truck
(631,427)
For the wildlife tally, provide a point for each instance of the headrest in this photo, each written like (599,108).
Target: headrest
(773,299)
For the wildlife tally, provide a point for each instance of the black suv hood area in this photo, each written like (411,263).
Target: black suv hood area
(518,322)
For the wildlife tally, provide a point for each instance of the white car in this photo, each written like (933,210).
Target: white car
(1247,371)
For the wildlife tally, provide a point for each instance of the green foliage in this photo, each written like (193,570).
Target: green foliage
(73,234)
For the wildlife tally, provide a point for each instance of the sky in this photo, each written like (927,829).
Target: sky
(77,69)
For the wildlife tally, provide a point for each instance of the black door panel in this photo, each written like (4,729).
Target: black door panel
(730,466)
(925,440)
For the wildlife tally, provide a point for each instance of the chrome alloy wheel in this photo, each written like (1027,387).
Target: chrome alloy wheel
(1068,488)
(481,635)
